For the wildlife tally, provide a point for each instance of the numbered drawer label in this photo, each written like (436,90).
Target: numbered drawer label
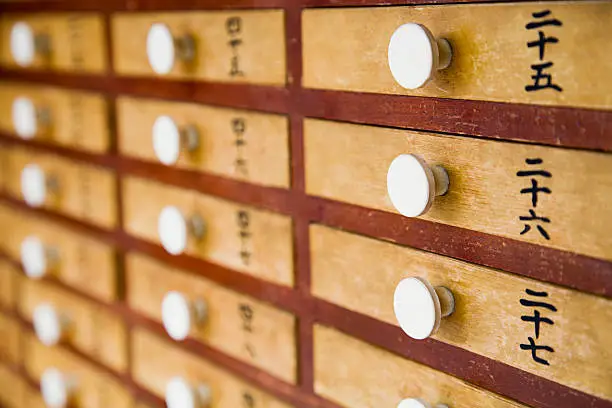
(546,330)
(168,371)
(61,42)
(238,325)
(542,195)
(526,53)
(77,190)
(66,118)
(252,241)
(13,390)
(244,145)
(58,316)
(238,46)
(10,339)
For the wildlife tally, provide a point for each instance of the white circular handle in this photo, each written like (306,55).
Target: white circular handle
(56,388)
(180,394)
(177,315)
(23,46)
(417,307)
(33,257)
(413,403)
(48,324)
(161,51)
(25,122)
(173,230)
(166,140)
(33,185)
(414,55)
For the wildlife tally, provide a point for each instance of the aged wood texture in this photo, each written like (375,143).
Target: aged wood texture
(12,390)
(10,282)
(10,339)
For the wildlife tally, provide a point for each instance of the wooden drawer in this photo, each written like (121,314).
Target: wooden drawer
(10,280)
(95,389)
(236,46)
(82,262)
(77,120)
(244,145)
(156,361)
(252,241)
(340,376)
(77,41)
(493,189)
(3,167)
(11,334)
(85,192)
(238,325)
(91,328)
(13,390)
(496,51)
(498,315)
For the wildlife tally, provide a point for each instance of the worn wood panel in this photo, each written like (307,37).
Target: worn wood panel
(268,243)
(12,389)
(79,120)
(84,263)
(10,339)
(340,376)
(258,57)
(491,58)
(485,191)
(238,325)
(156,361)
(95,389)
(87,193)
(93,330)
(244,145)
(77,41)
(488,317)
(10,279)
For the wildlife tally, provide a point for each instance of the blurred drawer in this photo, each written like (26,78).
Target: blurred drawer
(236,236)
(498,54)
(94,388)
(499,315)
(76,42)
(13,389)
(543,195)
(246,329)
(9,280)
(245,145)
(80,191)
(51,249)
(236,46)
(67,118)
(11,334)
(157,361)
(3,167)
(340,376)
(85,325)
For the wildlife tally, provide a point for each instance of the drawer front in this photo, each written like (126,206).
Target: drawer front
(12,389)
(91,329)
(252,241)
(95,389)
(244,145)
(496,314)
(82,262)
(497,53)
(76,41)
(497,188)
(10,279)
(238,325)
(339,376)
(84,192)
(77,120)
(156,361)
(4,176)
(237,46)
(10,339)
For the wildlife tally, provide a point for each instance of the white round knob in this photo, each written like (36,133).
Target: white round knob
(49,325)
(23,45)
(166,140)
(416,403)
(179,314)
(419,307)
(24,117)
(414,55)
(172,229)
(56,388)
(180,394)
(160,48)
(34,257)
(412,185)
(33,185)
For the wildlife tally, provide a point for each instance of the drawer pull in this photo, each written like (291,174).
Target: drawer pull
(419,307)
(50,325)
(180,314)
(36,185)
(181,394)
(57,388)
(29,119)
(163,49)
(417,403)
(414,55)
(169,139)
(25,44)
(412,184)
(174,229)
(37,259)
